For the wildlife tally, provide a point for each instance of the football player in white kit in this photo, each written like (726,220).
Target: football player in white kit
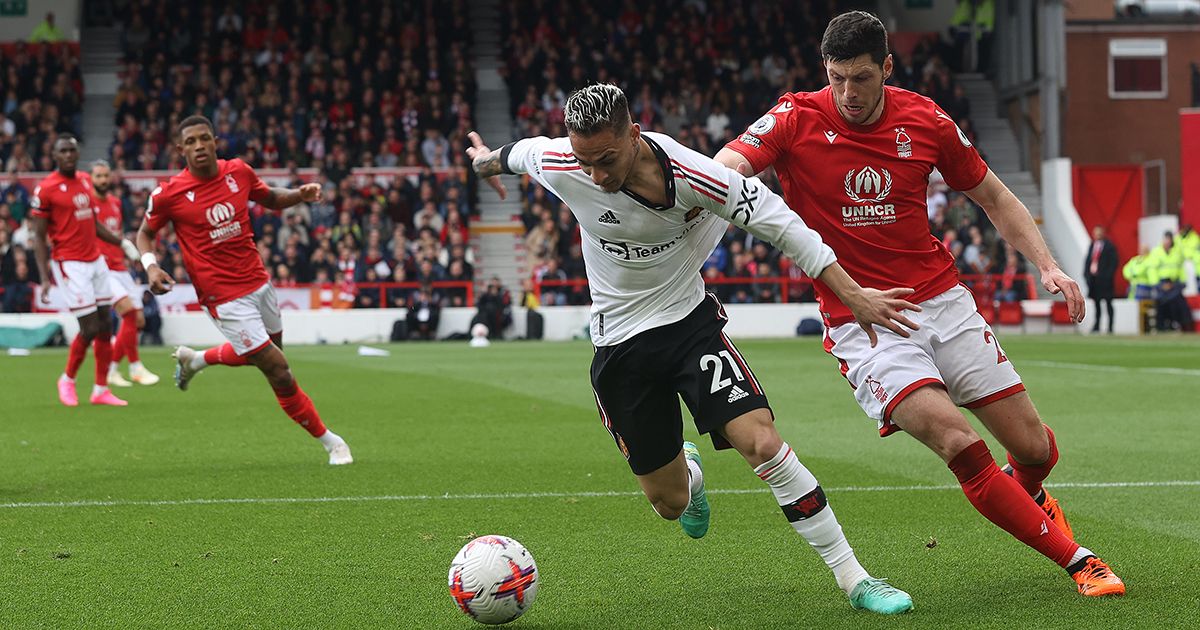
(650,212)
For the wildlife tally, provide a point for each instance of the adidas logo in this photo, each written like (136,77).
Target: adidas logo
(736,394)
(609,218)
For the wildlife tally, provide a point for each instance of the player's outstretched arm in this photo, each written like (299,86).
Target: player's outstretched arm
(108,236)
(1013,221)
(281,198)
(160,281)
(486,163)
(753,206)
(871,307)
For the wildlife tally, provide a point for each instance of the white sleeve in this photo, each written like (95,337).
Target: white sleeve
(524,156)
(750,205)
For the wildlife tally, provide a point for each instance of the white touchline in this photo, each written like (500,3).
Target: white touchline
(538,495)
(1088,367)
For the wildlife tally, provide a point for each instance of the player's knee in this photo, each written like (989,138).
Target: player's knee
(764,445)
(89,328)
(141,320)
(670,506)
(1034,451)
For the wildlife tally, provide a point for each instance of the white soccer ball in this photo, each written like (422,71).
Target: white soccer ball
(493,579)
(479,330)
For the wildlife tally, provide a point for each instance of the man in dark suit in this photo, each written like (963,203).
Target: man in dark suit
(1098,270)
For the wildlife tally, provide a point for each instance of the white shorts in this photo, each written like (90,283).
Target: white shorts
(249,321)
(955,349)
(84,284)
(121,286)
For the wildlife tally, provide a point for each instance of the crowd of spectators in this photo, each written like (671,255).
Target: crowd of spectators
(702,73)
(42,89)
(327,86)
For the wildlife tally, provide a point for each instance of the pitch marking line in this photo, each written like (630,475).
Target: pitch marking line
(1087,367)
(540,495)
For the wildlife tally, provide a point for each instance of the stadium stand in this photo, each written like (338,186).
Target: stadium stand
(708,74)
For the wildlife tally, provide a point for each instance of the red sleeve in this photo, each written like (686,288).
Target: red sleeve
(259,190)
(958,161)
(768,137)
(39,203)
(157,209)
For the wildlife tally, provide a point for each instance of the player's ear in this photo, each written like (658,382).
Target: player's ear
(635,131)
(888,66)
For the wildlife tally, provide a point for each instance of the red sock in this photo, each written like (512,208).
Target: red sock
(1031,477)
(118,350)
(76,356)
(1001,500)
(224,354)
(299,407)
(103,359)
(127,338)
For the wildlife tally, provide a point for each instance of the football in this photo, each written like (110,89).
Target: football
(493,579)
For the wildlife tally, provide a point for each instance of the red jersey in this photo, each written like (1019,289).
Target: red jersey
(863,187)
(68,205)
(212,223)
(109,215)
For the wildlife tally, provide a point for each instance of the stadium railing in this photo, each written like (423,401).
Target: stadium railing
(361,176)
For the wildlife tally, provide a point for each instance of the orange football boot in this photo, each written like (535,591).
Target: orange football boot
(1050,506)
(1095,579)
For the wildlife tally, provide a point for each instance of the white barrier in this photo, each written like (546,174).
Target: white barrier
(560,323)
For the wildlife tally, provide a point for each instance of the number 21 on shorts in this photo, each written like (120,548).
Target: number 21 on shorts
(716,362)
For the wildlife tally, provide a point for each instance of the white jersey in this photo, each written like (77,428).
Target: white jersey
(643,260)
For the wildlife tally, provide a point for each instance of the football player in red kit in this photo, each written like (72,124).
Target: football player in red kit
(854,160)
(208,203)
(127,298)
(64,208)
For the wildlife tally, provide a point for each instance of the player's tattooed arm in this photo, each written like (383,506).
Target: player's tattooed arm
(487,163)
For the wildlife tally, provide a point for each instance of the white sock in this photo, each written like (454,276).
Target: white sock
(329,439)
(66,378)
(804,504)
(198,363)
(695,477)
(98,389)
(134,366)
(1080,554)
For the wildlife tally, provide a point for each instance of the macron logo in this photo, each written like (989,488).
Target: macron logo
(736,394)
(190,195)
(609,218)
(830,136)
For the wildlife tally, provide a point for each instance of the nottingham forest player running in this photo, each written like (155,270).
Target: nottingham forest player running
(854,160)
(63,206)
(208,204)
(650,212)
(127,298)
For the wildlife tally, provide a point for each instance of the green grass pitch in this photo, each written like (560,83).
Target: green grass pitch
(122,517)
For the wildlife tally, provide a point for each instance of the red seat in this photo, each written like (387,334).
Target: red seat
(1011,314)
(1059,314)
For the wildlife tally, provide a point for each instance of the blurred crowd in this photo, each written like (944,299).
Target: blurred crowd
(708,71)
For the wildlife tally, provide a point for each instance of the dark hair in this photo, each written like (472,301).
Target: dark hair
(192,121)
(852,34)
(596,108)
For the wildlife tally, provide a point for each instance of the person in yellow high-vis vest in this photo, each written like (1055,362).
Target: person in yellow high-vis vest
(1137,274)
